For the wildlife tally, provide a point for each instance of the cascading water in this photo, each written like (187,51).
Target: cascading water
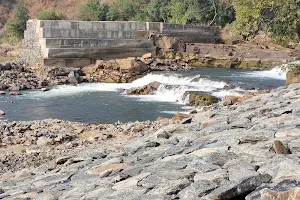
(173,87)
(107,102)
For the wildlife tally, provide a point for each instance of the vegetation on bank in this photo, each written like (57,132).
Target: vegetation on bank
(279,19)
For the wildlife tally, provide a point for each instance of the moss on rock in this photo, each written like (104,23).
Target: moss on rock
(202,99)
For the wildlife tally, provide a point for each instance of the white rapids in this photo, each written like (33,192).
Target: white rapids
(172,89)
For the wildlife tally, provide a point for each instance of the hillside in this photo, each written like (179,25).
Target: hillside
(67,7)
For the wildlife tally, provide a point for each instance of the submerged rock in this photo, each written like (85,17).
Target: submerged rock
(201,98)
(145,90)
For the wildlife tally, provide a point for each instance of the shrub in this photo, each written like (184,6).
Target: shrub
(93,11)
(49,15)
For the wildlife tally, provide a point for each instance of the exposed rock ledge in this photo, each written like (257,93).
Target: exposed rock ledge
(244,55)
(222,152)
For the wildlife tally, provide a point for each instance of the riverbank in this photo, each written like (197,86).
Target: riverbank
(221,152)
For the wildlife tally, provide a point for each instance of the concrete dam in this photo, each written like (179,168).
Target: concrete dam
(80,43)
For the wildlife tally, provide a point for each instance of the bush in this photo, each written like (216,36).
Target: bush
(17,26)
(93,11)
(49,15)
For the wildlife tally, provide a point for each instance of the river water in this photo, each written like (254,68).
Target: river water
(106,103)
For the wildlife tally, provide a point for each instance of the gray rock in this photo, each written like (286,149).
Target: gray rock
(197,190)
(277,187)
(46,196)
(201,166)
(161,133)
(62,160)
(186,121)
(42,141)
(294,147)
(130,182)
(151,181)
(73,78)
(155,197)
(3,87)
(241,188)
(296,108)
(169,188)
(218,176)
(281,167)
(4,195)
(241,171)
(133,170)
(241,123)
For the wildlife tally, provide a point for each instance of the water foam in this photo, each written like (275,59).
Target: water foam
(278,72)
(275,73)
(172,87)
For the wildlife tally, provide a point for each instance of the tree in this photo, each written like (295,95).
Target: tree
(279,19)
(226,13)
(93,11)
(249,15)
(204,12)
(285,24)
(49,15)
(125,10)
(17,26)
(178,12)
(157,11)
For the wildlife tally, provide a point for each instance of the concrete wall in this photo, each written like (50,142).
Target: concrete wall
(69,40)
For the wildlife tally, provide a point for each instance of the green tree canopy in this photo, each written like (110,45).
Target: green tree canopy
(93,11)
(280,19)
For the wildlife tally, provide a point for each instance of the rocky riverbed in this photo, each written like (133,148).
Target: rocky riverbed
(245,150)
(16,76)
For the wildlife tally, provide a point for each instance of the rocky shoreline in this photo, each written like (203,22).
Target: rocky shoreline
(224,151)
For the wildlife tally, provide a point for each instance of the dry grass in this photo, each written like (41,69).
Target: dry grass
(67,7)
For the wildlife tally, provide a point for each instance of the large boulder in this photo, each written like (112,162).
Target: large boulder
(144,90)
(74,78)
(287,189)
(115,71)
(293,75)
(201,98)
